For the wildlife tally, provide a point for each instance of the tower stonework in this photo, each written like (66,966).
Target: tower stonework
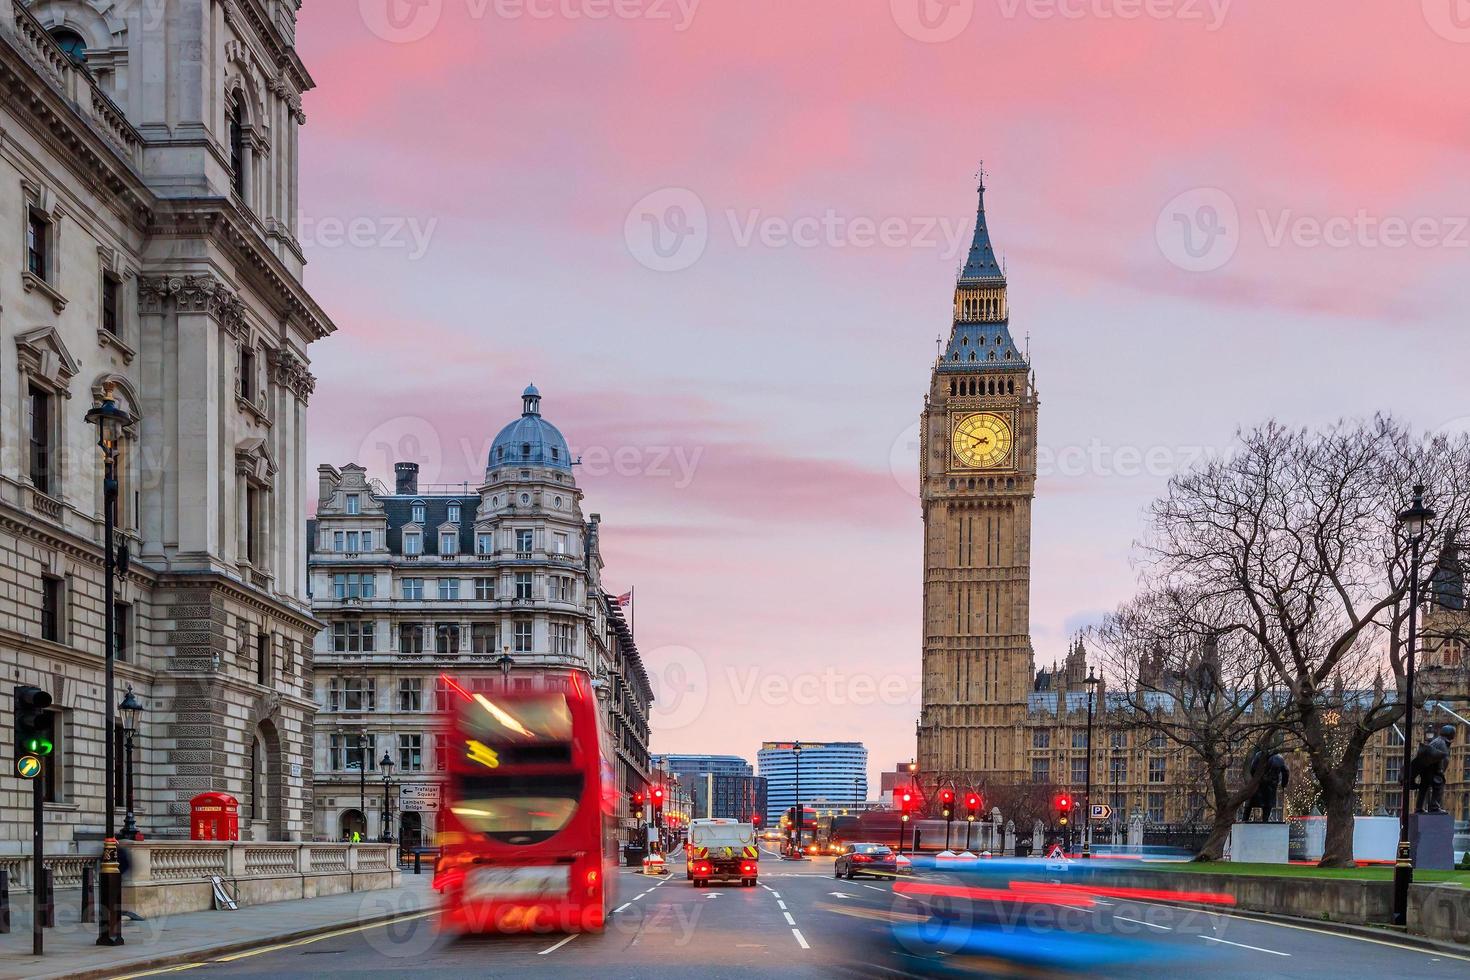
(977,473)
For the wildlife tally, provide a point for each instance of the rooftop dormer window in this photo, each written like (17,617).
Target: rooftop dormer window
(418,512)
(454,513)
(525,450)
(72,43)
(353,504)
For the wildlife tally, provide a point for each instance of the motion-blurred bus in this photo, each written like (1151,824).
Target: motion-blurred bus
(529,809)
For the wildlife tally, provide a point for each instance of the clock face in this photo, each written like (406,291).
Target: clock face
(982,441)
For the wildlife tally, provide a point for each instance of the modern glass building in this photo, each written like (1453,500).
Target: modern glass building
(832,774)
(721,785)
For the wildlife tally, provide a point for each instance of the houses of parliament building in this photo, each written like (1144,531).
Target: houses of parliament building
(989,718)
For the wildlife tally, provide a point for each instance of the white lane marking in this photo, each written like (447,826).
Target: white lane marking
(874,887)
(553,949)
(1151,925)
(782,904)
(789,920)
(1101,901)
(777,894)
(800,938)
(636,897)
(768,888)
(1258,949)
(621,907)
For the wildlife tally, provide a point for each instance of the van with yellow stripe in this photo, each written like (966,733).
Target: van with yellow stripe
(720,849)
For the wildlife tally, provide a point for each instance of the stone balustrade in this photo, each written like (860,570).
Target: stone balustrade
(175,876)
(66,869)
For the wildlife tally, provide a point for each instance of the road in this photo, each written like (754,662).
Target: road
(801,922)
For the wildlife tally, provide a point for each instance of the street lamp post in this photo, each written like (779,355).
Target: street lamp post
(362,758)
(112,423)
(1091,683)
(800,814)
(1413,521)
(130,708)
(505,663)
(386,764)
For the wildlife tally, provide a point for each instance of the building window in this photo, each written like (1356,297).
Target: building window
(354,542)
(446,637)
(441,752)
(348,752)
(1079,770)
(523,585)
(252,526)
(484,588)
(247,373)
(484,637)
(485,544)
(413,588)
(561,638)
(42,439)
(413,544)
(122,631)
(446,543)
(1392,766)
(1079,739)
(110,286)
(454,513)
(263,657)
(410,694)
(449,588)
(237,146)
(352,585)
(525,540)
(352,637)
(1119,740)
(418,512)
(1118,770)
(564,589)
(1156,807)
(367,541)
(441,694)
(38,233)
(560,541)
(355,693)
(1040,738)
(53,594)
(410,638)
(339,541)
(354,504)
(1041,771)
(523,635)
(1157,770)
(410,753)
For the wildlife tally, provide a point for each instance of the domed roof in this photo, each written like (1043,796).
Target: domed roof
(531,440)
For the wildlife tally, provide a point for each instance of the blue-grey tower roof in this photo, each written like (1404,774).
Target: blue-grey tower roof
(981,264)
(531,440)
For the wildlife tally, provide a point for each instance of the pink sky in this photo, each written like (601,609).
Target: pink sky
(1212,212)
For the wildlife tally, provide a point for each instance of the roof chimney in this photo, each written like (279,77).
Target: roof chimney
(407,475)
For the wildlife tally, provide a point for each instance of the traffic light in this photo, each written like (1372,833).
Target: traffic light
(34,730)
(638,806)
(972,806)
(946,803)
(1064,809)
(658,804)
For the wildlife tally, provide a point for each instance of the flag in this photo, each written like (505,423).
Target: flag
(624,599)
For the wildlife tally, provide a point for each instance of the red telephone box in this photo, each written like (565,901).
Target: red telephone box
(214,816)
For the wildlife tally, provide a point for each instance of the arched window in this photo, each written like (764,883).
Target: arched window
(72,43)
(237,145)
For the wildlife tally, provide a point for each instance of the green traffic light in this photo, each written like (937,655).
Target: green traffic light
(39,746)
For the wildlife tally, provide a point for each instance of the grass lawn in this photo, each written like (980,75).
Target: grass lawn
(1372,873)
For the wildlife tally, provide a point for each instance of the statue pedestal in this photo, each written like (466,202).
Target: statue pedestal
(1375,838)
(1260,843)
(1432,841)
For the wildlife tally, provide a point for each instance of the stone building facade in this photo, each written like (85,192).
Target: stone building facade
(494,586)
(148,192)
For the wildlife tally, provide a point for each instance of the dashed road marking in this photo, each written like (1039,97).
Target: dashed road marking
(559,945)
(1258,949)
(782,904)
(1151,925)
(801,939)
(789,920)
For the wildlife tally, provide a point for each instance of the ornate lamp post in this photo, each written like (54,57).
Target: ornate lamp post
(1091,683)
(1413,521)
(112,424)
(799,814)
(505,663)
(130,708)
(386,764)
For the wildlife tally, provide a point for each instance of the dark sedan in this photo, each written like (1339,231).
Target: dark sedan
(877,860)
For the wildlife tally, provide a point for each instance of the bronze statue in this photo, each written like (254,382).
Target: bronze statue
(1427,771)
(1274,776)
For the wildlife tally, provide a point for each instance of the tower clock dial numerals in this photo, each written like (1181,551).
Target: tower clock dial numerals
(982,441)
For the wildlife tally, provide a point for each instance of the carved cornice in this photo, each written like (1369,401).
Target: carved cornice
(193,294)
(288,371)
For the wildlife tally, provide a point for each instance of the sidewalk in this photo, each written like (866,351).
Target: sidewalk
(71,949)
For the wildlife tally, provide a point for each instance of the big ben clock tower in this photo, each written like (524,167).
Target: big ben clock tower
(977,474)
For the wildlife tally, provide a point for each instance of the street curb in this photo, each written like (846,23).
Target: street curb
(1380,933)
(221,949)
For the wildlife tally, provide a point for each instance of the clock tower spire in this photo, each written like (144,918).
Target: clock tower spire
(977,480)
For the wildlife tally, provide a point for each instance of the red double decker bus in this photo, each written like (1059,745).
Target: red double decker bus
(528,811)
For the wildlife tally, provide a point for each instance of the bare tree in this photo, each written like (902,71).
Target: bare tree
(1294,542)
(1173,671)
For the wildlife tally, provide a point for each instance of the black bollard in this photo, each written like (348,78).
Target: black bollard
(89,909)
(4,900)
(418,858)
(48,900)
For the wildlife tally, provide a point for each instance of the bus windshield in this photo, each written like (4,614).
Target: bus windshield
(517,809)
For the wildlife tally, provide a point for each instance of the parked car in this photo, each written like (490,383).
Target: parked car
(877,860)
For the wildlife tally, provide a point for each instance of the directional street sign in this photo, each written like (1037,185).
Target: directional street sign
(28,766)
(419,791)
(1101,811)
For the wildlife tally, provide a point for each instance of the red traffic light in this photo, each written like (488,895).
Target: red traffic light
(946,796)
(1064,802)
(658,795)
(973,801)
(638,799)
